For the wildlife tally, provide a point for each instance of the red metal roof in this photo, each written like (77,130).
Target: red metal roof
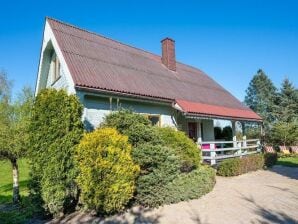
(219,111)
(100,63)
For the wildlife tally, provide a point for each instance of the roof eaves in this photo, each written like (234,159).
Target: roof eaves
(123,93)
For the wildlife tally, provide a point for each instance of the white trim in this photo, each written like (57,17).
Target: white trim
(49,36)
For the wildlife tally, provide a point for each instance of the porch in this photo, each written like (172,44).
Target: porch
(214,150)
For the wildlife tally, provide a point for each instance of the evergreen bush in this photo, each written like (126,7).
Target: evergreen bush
(159,166)
(187,151)
(136,126)
(191,185)
(55,129)
(107,172)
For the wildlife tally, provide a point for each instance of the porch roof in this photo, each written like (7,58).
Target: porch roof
(207,110)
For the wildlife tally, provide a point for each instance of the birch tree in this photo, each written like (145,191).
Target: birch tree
(14,123)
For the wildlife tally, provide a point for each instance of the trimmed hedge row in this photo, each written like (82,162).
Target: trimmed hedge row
(237,166)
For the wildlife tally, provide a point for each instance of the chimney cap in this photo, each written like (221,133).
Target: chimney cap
(167,38)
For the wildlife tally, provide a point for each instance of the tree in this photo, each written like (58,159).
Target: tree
(285,133)
(261,96)
(55,130)
(287,102)
(14,123)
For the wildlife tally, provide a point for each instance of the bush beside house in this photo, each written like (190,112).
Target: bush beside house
(169,161)
(55,130)
(106,171)
(125,160)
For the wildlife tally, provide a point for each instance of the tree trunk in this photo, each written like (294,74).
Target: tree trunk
(15,179)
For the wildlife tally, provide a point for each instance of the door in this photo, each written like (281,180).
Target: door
(192,130)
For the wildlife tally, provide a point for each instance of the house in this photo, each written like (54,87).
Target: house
(106,75)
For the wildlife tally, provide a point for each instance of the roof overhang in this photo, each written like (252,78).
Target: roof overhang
(207,111)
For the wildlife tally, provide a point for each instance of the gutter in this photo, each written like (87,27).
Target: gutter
(124,94)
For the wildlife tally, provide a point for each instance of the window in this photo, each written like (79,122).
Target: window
(155,119)
(56,69)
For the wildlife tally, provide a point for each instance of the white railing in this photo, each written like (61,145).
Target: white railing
(215,151)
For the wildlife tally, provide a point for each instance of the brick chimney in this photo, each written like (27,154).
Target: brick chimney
(168,53)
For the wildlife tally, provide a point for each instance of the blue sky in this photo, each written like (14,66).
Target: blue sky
(229,40)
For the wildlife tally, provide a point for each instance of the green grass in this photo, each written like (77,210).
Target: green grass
(9,213)
(6,180)
(288,161)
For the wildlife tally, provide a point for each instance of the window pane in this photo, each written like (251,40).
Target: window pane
(154,120)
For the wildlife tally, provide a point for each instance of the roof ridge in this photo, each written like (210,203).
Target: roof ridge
(102,36)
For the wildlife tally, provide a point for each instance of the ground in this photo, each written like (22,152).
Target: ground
(264,196)
(6,180)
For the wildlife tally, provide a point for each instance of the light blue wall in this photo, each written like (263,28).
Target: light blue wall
(97,107)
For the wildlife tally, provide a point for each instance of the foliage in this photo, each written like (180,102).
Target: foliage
(187,151)
(159,166)
(284,133)
(287,103)
(237,166)
(55,129)
(270,159)
(189,186)
(261,97)
(107,172)
(14,123)
(136,126)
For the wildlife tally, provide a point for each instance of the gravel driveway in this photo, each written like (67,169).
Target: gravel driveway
(265,196)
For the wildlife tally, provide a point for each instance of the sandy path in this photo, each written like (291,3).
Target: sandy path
(269,196)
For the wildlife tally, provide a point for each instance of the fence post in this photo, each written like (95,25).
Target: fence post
(259,146)
(212,154)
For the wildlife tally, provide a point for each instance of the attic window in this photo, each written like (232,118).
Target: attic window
(56,72)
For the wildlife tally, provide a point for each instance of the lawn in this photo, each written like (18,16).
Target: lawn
(10,214)
(288,161)
(6,180)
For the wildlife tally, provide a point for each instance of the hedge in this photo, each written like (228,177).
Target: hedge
(237,166)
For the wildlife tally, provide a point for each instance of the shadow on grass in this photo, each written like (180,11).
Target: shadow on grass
(268,215)
(290,172)
(6,191)
(287,163)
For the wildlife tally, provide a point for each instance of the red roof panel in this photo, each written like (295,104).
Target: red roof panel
(219,111)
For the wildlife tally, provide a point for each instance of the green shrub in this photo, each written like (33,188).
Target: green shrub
(55,129)
(107,172)
(184,147)
(237,166)
(229,167)
(136,126)
(270,159)
(159,166)
(191,185)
